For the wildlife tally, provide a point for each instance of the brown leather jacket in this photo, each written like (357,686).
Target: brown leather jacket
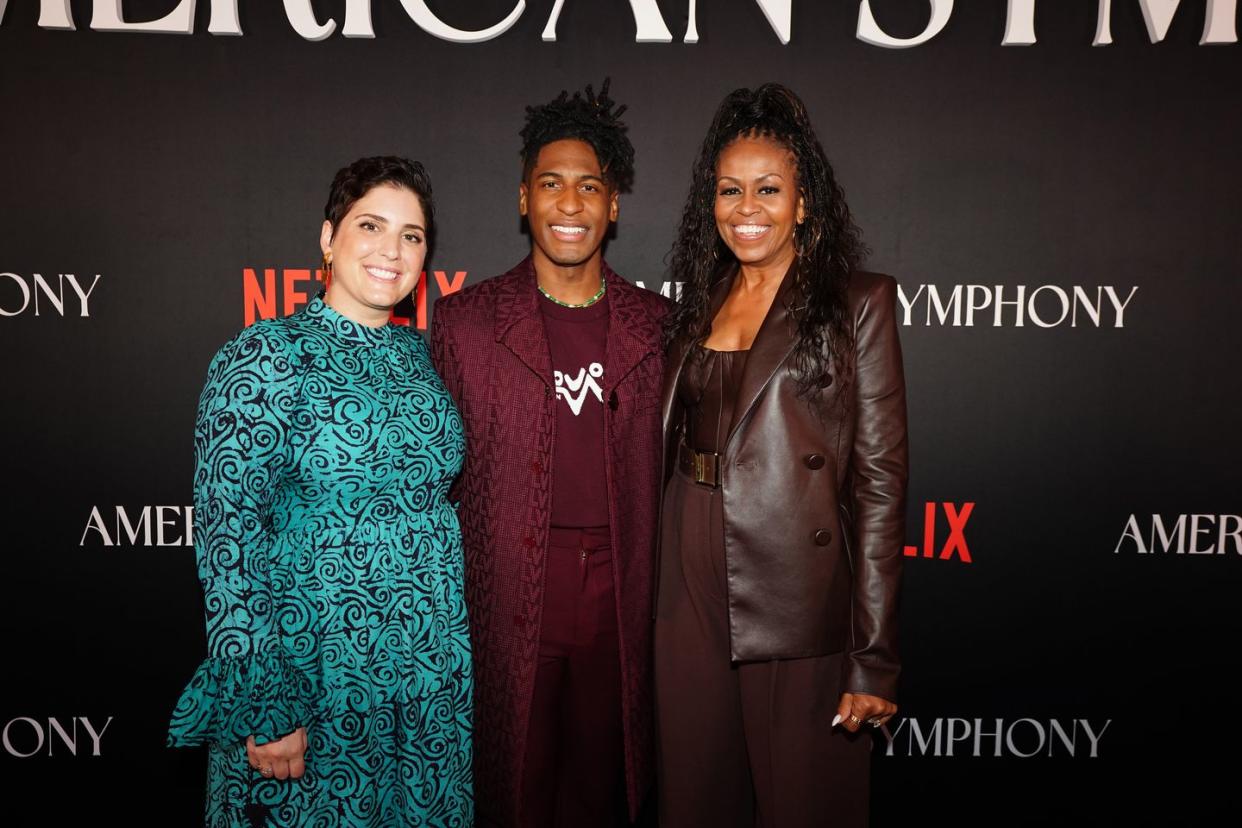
(814,493)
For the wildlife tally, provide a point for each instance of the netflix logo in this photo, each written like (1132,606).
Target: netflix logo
(270,292)
(947,544)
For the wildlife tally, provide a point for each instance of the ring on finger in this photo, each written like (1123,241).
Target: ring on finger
(266,770)
(875,722)
(855,719)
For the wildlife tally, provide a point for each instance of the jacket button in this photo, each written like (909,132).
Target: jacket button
(814,461)
(536,467)
(823,537)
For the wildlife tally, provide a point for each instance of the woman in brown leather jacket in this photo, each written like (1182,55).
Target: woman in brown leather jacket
(785,461)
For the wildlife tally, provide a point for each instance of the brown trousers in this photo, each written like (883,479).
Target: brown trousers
(746,745)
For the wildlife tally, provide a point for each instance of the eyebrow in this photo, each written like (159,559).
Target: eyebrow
(555,174)
(383,220)
(757,178)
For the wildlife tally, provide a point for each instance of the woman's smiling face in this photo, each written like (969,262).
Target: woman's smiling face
(377,253)
(757,201)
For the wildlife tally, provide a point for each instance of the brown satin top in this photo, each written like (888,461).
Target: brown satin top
(708,391)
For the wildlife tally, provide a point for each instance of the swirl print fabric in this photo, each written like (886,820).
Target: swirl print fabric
(331,565)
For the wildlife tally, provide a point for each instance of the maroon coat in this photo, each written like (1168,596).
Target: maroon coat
(489,345)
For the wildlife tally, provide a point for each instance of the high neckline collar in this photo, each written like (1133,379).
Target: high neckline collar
(346,328)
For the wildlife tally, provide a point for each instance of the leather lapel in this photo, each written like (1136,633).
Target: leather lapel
(519,324)
(677,351)
(632,334)
(773,343)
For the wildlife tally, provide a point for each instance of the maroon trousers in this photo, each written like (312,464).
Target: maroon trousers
(574,770)
(740,745)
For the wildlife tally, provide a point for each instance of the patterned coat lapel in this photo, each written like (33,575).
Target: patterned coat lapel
(632,333)
(519,323)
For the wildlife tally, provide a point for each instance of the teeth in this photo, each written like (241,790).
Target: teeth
(386,275)
(750,229)
(561,228)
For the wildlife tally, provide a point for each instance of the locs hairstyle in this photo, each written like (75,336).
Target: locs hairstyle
(586,117)
(359,178)
(827,242)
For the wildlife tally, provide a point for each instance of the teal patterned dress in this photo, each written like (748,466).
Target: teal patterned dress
(331,565)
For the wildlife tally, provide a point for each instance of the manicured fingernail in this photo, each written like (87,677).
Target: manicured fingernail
(836,720)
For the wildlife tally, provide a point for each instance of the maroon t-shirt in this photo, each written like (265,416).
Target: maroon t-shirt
(577,338)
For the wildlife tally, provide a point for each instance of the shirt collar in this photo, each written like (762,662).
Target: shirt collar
(345,328)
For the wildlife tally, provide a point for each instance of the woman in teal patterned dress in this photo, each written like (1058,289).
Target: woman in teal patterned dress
(337,691)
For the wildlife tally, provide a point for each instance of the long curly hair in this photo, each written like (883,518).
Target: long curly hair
(828,243)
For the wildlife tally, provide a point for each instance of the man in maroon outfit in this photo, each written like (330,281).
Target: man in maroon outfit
(556,367)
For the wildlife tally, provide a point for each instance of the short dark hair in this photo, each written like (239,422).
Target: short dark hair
(359,178)
(587,117)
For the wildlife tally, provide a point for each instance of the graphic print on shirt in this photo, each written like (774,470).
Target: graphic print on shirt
(574,389)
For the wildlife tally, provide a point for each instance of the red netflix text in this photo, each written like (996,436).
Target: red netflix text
(270,292)
(955,543)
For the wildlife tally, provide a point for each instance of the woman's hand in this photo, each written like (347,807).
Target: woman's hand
(283,759)
(857,709)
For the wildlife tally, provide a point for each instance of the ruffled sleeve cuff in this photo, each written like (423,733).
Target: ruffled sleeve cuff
(229,699)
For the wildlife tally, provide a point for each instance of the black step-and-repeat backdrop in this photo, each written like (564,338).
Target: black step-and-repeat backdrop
(1055,186)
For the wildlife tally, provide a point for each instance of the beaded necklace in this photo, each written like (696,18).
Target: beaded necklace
(599,294)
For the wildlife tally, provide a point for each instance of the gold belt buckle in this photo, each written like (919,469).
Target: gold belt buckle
(701,466)
(706,468)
